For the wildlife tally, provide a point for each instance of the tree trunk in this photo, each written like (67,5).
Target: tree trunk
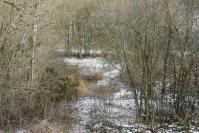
(35,30)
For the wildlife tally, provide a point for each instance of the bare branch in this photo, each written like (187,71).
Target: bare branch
(10,3)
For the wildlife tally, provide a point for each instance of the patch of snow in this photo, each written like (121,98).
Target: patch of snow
(85,105)
(87,65)
(21,131)
(95,51)
(92,51)
(125,103)
(108,76)
(92,65)
(112,74)
(60,50)
(122,93)
(180,54)
(104,82)
(96,63)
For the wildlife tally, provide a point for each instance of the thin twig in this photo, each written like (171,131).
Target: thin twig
(10,3)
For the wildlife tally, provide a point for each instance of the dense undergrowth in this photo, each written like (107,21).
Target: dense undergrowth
(25,107)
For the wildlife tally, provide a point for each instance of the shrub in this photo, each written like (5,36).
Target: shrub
(21,106)
(61,85)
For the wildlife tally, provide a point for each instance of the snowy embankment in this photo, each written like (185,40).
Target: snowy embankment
(89,66)
(75,52)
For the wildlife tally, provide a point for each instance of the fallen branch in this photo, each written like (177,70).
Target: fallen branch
(10,3)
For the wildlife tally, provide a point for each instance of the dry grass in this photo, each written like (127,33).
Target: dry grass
(97,76)
(45,127)
(83,88)
(23,107)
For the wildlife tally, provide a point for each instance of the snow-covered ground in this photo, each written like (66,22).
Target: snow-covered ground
(114,112)
(62,50)
(92,51)
(89,66)
(92,112)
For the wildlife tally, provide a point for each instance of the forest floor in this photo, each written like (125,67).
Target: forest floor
(109,107)
(107,104)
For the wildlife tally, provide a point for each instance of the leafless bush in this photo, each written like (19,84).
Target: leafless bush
(20,106)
